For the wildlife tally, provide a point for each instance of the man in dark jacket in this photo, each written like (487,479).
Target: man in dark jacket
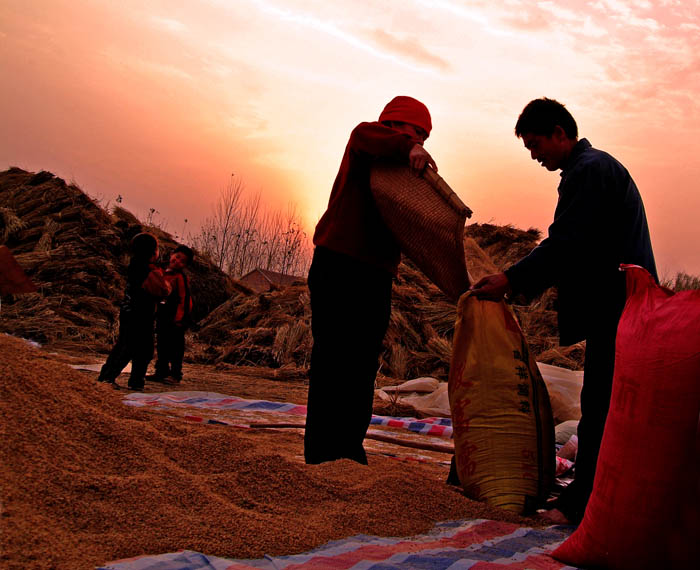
(598,224)
(350,284)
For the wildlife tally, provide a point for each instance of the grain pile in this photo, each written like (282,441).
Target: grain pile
(76,253)
(86,479)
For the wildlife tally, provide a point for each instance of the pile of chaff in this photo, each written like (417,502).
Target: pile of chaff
(76,253)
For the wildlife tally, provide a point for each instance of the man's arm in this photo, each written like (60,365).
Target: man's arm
(492,287)
(378,141)
(419,158)
(155,284)
(581,228)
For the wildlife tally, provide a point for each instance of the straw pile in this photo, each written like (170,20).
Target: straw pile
(273,329)
(76,253)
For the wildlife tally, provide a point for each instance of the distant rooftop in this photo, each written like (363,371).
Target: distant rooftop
(264,279)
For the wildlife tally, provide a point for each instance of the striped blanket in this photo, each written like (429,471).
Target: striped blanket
(440,427)
(429,438)
(458,545)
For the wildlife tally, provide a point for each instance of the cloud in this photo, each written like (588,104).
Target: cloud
(169,24)
(531,18)
(408,47)
(628,14)
(476,14)
(147,67)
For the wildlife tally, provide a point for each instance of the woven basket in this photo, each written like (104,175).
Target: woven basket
(427,220)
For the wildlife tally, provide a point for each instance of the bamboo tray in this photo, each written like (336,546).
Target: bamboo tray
(427,219)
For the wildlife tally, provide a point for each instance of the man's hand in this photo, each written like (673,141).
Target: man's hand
(491,288)
(419,158)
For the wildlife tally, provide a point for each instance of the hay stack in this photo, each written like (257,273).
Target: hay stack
(76,254)
(273,329)
(270,329)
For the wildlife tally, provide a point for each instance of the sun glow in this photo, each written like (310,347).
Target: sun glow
(160,102)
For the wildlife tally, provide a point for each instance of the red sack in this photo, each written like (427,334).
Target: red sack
(647,461)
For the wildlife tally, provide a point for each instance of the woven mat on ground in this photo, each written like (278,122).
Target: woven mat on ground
(458,545)
(409,439)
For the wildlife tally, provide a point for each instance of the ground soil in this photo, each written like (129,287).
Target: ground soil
(86,479)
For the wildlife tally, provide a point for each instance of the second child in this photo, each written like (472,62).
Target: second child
(173,318)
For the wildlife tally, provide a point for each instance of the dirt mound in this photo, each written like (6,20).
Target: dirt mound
(85,479)
(76,253)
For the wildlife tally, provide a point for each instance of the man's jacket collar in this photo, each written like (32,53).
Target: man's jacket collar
(576,151)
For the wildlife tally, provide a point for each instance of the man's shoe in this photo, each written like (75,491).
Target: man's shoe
(156,378)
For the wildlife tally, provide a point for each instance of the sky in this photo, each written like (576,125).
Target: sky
(161,101)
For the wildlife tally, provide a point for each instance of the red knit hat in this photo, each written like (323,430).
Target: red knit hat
(407,110)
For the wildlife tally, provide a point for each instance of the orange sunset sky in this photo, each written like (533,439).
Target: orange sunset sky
(160,101)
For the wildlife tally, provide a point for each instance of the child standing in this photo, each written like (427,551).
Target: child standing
(145,286)
(173,319)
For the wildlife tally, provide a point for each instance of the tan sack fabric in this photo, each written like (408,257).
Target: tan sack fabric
(427,220)
(501,415)
(426,404)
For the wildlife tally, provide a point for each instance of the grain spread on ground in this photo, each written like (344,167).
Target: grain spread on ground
(86,479)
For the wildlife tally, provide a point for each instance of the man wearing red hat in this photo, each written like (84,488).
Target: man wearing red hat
(350,278)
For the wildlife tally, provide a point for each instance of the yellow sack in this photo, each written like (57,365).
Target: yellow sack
(501,415)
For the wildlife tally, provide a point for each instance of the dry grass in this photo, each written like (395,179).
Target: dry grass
(10,222)
(682,282)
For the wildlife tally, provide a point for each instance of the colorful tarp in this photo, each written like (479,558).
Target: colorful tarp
(440,427)
(459,545)
(429,438)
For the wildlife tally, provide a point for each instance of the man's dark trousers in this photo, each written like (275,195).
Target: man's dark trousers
(599,367)
(135,345)
(350,308)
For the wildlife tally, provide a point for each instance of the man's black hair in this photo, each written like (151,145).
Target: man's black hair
(541,116)
(143,246)
(189,253)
